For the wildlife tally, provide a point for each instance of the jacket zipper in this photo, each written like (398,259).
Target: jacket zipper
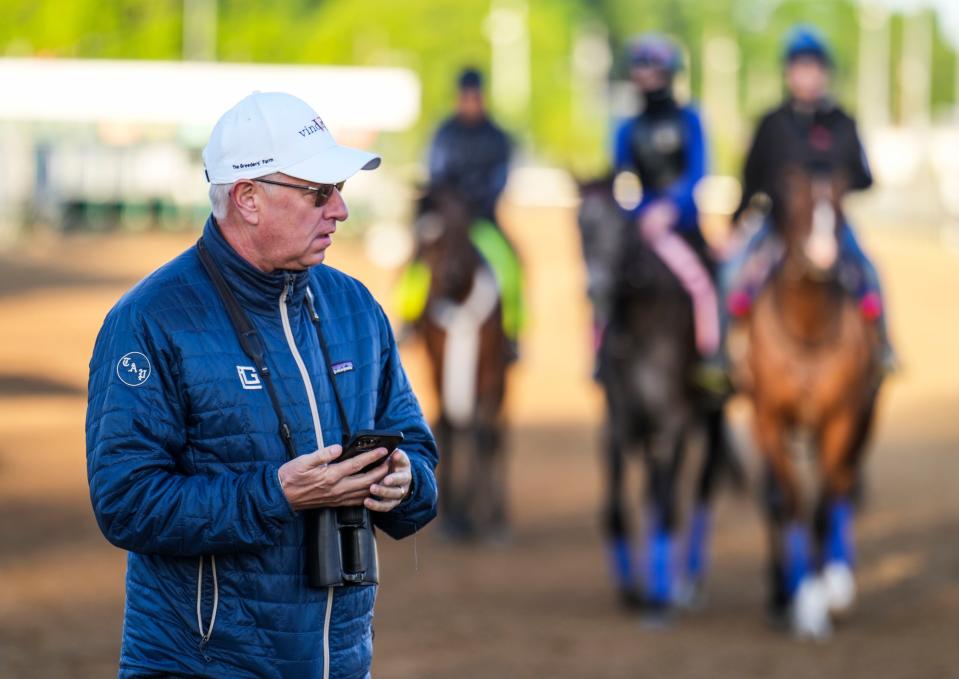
(288,332)
(206,634)
(286,295)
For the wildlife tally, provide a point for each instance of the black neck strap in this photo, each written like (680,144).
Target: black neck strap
(254,348)
(344,420)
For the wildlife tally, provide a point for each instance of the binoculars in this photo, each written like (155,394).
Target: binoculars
(340,547)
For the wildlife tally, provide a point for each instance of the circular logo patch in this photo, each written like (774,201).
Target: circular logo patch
(134,369)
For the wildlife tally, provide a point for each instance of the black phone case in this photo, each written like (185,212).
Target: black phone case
(370,439)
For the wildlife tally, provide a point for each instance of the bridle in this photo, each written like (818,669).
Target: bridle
(799,264)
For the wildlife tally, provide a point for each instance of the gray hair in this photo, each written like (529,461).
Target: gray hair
(220,196)
(219,200)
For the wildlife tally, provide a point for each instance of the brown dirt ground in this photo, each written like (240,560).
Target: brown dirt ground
(541,605)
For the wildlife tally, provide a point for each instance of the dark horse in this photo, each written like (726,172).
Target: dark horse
(462,329)
(646,352)
(814,361)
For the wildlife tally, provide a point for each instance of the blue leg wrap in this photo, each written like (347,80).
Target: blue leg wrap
(839,545)
(660,582)
(698,543)
(797,556)
(621,562)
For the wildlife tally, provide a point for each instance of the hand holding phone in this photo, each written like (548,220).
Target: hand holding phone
(371,439)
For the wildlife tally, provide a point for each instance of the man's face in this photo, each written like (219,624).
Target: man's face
(807,79)
(469,105)
(649,78)
(293,233)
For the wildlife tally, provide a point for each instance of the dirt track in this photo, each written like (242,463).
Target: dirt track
(540,606)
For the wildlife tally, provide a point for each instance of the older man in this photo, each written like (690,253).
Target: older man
(208,440)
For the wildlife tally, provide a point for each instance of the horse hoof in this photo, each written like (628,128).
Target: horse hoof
(840,587)
(810,611)
(658,616)
(631,599)
(690,595)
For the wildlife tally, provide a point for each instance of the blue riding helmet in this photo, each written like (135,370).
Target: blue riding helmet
(656,50)
(807,41)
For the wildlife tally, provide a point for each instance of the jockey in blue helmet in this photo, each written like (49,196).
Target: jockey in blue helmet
(808,129)
(807,42)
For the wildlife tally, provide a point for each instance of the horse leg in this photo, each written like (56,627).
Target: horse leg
(614,520)
(840,445)
(449,497)
(498,481)
(489,481)
(775,508)
(663,462)
(778,509)
(697,545)
(809,607)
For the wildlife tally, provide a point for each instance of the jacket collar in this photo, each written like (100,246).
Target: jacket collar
(255,290)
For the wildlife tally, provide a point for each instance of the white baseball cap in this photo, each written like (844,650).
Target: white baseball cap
(271,132)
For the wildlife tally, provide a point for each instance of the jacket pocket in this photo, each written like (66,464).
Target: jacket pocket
(205,623)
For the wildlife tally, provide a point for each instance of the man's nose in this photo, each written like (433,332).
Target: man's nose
(335,207)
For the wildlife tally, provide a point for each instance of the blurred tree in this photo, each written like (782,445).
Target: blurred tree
(127,29)
(436,38)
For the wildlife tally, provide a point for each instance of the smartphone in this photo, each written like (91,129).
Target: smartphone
(370,439)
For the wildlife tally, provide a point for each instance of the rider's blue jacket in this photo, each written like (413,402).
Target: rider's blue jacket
(183,451)
(666,147)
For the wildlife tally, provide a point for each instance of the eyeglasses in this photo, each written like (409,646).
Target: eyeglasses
(323,191)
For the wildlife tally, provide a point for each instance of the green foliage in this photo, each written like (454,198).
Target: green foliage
(127,29)
(436,38)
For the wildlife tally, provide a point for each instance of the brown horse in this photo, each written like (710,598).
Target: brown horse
(813,360)
(462,329)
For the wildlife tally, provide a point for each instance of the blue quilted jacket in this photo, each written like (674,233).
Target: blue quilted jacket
(182,456)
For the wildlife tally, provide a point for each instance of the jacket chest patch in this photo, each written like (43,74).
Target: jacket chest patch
(249,379)
(341,367)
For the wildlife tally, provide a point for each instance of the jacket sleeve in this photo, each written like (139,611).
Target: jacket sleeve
(860,176)
(682,192)
(755,168)
(440,158)
(621,155)
(499,172)
(143,497)
(398,409)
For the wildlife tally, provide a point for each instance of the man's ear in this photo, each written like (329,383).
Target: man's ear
(246,200)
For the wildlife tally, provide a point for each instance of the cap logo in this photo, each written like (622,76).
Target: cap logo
(252,164)
(315,125)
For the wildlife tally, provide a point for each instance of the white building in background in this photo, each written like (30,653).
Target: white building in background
(124,137)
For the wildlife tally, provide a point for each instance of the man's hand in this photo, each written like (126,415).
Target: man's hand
(391,490)
(314,480)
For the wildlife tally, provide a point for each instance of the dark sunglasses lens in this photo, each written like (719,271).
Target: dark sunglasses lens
(325,191)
